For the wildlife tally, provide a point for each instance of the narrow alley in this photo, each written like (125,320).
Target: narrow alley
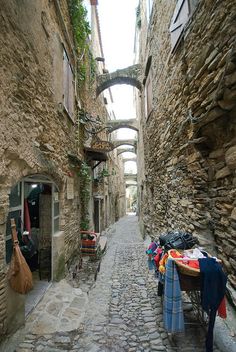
(118,176)
(121,312)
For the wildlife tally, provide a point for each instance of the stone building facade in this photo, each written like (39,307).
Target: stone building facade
(107,203)
(40,144)
(188,119)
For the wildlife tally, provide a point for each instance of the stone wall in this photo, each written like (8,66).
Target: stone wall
(190,135)
(36,135)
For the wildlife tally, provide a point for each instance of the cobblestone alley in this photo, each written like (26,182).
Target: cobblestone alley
(123,311)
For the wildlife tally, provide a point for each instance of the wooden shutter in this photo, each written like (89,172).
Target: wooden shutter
(65,80)
(179,19)
(68,86)
(71,93)
(148,94)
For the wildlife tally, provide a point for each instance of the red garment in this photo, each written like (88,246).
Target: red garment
(27,224)
(222,309)
(192,263)
(157,257)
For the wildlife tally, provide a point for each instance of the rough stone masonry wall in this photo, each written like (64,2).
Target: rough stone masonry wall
(35,137)
(190,136)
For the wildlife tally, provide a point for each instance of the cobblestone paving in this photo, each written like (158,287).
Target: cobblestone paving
(124,311)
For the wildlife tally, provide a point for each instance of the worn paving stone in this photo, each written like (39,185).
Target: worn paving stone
(123,313)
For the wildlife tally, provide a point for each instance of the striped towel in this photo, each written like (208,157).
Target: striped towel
(172,310)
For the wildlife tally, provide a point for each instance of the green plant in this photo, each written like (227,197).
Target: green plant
(104,173)
(81,28)
(80,24)
(101,175)
(85,182)
(93,68)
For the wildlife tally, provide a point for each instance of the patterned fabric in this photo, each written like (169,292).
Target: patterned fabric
(172,310)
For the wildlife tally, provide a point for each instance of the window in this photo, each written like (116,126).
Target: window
(148,94)
(183,11)
(148,88)
(68,86)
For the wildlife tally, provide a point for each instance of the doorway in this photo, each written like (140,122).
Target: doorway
(34,205)
(96,215)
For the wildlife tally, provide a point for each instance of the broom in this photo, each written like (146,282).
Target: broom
(19,275)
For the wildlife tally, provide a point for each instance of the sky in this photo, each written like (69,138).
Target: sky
(117,23)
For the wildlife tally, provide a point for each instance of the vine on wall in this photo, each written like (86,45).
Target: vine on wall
(80,24)
(82,30)
(85,182)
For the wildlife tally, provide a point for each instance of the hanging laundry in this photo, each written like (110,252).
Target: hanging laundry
(172,307)
(213,288)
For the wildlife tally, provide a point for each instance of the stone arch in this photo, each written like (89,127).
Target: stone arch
(131,177)
(114,125)
(131,184)
(125,150)
(129,75)
(134,159)
(118,143)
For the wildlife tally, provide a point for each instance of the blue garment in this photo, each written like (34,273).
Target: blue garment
(213,287)
(213,283)
(150,264)
(172,310)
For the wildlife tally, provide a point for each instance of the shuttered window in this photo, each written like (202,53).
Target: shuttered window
(182,13)
(68,86)
(148,94)
(179,19)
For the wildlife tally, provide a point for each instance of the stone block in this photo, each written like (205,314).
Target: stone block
(214,114)
(185,202)
(230,158)
(233,214)
(230,79)
(223,173)
(233,263)
(226,104)
(214,63)
(216,153)
(226,264)
(212,55)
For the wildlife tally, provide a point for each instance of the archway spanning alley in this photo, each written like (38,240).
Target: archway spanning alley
(129,75)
